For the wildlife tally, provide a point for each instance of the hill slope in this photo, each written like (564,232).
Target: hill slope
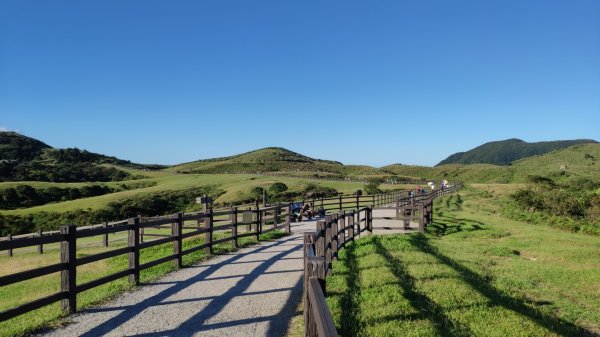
(507,151)
(269,159)
(25,158)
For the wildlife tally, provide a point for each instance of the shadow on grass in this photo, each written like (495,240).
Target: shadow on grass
(426,307)
(496,296)
(350,325)
(453,225)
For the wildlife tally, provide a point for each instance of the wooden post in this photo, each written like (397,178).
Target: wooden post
(288,218)
(351,224)
(373,200)
(357,201)
(320,244)
(340,202)
(133,242)
(9,251)
(334,238)
(328,244)
(421,219)
(258,223)
(177,231)
(234,227)
(68,275)
(105,236)
(41,245)
(276,216)
(342,226)
(208,236)
(370,220)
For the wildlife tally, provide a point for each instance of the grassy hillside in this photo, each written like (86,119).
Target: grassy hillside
(270,159)
(507,151)
(473,274)
(570,163)
(24,158)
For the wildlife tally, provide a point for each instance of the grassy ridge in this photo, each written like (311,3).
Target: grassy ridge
(473,274)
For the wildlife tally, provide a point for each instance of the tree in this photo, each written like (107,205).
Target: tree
(372,186)
(277,188)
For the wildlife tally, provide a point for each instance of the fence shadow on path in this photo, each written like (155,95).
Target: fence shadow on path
(196,323)
(498,297)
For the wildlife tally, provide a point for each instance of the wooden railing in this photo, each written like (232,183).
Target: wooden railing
(230,224)
(332,234)
(182,226)
(331,204)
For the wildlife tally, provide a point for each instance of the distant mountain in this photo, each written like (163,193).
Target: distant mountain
(580,161)
(505,152)
(270,159)
(25,158)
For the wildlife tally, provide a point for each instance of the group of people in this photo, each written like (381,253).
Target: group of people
(421,190)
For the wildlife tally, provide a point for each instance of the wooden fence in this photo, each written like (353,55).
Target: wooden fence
(331,235)
(232,224)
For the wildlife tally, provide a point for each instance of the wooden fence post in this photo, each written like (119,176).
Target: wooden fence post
(234,227)
(41,245)
(342,226)
(208,236)
(105,236)
(276,216)
(133,241)
(370,221)
(351,224)
(288,218)
(328,245)
(68,275)
(357,200)
(421,218)
(320,244)
(10,250)
(177,231)
(334,237)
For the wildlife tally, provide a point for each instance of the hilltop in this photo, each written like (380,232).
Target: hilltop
(270,159)
(578,161)
(505,152)
(26,158)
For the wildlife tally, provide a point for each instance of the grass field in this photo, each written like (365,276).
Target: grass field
(236,186)
(23,292)
(473,274)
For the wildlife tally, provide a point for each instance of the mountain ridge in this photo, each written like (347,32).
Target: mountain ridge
(505,152)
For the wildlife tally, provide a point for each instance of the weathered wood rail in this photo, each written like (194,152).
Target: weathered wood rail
(332,234)
(231,224)
(226,222)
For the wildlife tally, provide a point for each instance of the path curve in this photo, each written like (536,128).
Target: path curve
(251,292)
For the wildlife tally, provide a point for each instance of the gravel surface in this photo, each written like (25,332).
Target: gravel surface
(251,292)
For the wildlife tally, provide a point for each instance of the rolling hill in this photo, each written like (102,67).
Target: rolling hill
(507,151)
(25,158)
(271,159)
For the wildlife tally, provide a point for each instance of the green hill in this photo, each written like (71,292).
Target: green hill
(271,159)
(507,151)
(25,158)
(578,161)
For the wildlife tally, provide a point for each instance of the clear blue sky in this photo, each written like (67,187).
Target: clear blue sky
(369,82)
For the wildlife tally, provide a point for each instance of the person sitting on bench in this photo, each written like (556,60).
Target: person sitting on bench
(306,211)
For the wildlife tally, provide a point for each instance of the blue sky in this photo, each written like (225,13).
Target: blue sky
(369,82)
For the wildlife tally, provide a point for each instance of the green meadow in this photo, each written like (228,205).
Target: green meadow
(474,273)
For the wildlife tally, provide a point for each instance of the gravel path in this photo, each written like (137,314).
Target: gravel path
(251,292)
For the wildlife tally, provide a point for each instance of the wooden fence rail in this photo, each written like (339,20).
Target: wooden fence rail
(352,218)
(231,224)
(331,235)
